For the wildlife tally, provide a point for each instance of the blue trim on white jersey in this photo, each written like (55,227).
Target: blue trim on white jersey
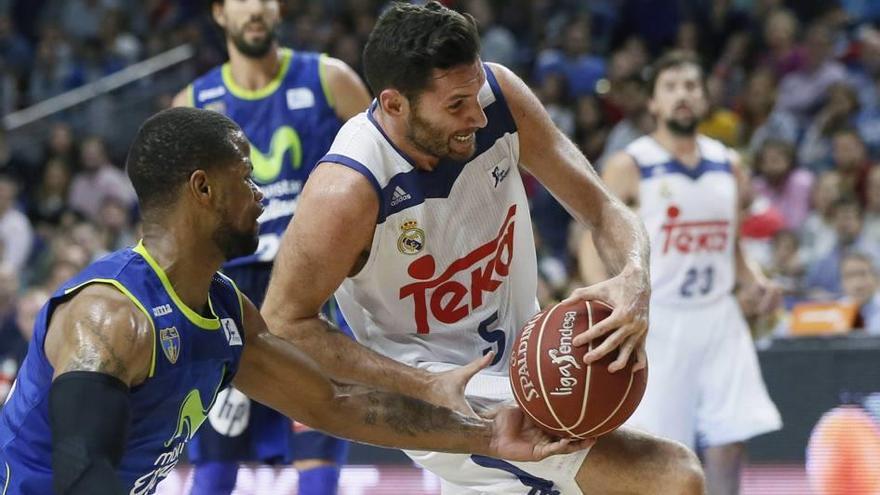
(359,167)
(676,167)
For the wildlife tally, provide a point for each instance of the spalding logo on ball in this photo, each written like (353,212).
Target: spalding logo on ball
(551,383)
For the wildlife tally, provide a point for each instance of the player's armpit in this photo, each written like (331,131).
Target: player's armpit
(621,175)
(99,329)
(346,92)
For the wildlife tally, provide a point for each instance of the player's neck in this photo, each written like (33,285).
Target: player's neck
(396,133)
(683,148)
(250,73)
(188,262)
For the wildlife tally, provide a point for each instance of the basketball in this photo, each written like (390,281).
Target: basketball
(556,389)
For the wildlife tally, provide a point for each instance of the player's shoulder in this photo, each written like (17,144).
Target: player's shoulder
(645,151)
(716,151)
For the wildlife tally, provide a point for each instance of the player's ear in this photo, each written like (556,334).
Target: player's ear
(200,186)
(218,14)
(393,102)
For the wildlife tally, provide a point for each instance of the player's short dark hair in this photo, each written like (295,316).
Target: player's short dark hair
(410,41)
(670,60)
(173,144)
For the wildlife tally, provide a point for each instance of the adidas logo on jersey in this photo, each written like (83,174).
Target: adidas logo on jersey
(399,196)
(162,310)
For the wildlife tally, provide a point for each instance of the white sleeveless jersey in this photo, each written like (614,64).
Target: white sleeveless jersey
(690,215)
(452,272)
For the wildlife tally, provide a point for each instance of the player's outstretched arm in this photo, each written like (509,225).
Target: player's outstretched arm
(99,345)
(276,373)
(328,239)
(620,237)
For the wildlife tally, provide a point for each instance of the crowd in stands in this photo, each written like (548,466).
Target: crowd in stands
(794,86)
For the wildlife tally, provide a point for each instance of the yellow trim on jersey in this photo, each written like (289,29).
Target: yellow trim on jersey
(237,292)
(121,288)
(325,84)
(196,319)
(190,95)
(247,94)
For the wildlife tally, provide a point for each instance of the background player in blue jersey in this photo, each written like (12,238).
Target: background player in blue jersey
(128,357)
(290,105)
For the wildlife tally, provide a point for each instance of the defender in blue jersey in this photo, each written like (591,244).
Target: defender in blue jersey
(128,357)
(290,105)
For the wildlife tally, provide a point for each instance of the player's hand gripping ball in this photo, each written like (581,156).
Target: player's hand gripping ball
(560,393)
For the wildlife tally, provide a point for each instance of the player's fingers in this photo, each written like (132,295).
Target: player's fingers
(593,292)
(610,343)
(477,365)
(641,356)
(625,352)
(612,322)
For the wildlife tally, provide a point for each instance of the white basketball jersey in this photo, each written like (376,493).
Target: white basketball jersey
(452,272)
(690,215)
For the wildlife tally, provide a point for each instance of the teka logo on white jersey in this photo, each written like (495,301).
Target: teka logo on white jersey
(231,331)
(450,300)
(399,196)
(162,310)
(693,236)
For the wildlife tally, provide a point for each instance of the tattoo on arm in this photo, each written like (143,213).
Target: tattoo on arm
(411,417)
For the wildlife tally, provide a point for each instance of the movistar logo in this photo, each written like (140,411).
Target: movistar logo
(268,166)
(192,414)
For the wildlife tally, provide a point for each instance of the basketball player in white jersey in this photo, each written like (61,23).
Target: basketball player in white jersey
(705,388)
(417,219)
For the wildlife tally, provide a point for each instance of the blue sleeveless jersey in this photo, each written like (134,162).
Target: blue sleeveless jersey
(193,357)
(290,125)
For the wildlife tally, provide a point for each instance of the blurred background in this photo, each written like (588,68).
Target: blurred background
(794,86)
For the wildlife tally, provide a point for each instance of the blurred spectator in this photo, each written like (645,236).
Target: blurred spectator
(13,343)
(850,160)
(582,69)
(759,121)
(497,43)
(115,222)
(98,180)
(591,129)
(840,110)
(787,266)
(61,145)
(823,276)
(780,38)
(16,233)
(15,165)
(861,286)
(53,72)
(15,51)
(817,233)
(779,180)
(721,122)
(49,201)
(801,91)
(553,94)
(872,205)
(81,19)
(720,21)
(631,96)
(118,42)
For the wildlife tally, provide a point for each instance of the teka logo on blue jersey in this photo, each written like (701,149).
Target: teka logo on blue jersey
(170,340)
(231,331)
(162,310)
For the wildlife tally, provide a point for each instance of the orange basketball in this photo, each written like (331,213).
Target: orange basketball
(556,389)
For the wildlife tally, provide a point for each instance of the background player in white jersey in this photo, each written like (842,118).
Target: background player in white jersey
(705,388)
(290,104)
(419,218)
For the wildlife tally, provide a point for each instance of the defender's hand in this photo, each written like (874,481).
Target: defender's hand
(627,326)
(447,388)
(515,437)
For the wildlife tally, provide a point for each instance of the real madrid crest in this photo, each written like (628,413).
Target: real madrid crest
(412,238)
